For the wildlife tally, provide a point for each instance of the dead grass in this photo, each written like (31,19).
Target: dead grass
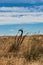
(31,51)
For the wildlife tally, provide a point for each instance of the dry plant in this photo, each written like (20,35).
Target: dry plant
(33,50)
(16,46)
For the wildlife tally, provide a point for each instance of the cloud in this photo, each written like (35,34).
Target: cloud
(20,15)
(11,30)
(13,9)
(30,18)
(22,9)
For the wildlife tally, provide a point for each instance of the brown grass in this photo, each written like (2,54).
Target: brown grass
(29,52)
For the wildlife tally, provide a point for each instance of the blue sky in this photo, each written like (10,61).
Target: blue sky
(16,14)
(11,30)
(21,1)
(18,2)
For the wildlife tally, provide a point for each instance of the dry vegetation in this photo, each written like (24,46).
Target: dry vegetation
(29,51)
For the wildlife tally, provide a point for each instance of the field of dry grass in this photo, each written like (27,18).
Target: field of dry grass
(29,52)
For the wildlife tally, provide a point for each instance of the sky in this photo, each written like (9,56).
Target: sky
(21,1)
(17,14)
(12,30)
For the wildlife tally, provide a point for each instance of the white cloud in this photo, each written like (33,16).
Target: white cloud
(22,9)
(11,30)
(14,9)
(29,18)
(21,15)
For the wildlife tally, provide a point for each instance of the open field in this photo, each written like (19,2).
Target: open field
(29,51)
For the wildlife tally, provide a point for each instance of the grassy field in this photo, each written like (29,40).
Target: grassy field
(29,51)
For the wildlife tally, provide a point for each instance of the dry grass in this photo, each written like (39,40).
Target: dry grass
(33,51)
(30,52)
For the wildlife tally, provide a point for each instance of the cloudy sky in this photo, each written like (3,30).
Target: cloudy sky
(23,15)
